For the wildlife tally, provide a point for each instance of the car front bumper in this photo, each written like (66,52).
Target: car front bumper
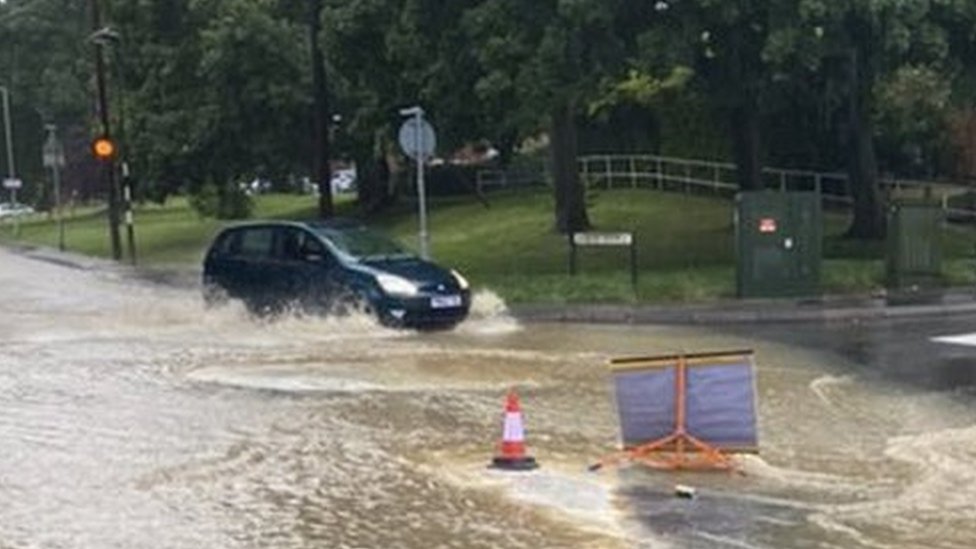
(419,312)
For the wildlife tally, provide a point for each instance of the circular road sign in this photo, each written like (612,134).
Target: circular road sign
(53,153)
(417,138)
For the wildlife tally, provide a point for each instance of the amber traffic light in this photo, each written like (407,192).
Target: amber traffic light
(103,148)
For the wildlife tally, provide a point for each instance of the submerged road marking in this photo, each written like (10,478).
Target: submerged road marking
(959,339)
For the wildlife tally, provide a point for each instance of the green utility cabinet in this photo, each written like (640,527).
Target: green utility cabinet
(914,248)
(778,243)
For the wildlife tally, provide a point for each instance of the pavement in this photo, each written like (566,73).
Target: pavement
(942,302)
(890,304)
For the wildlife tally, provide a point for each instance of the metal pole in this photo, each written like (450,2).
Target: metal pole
(123,149)
(130,229)
(572,254)
(421,190)
(56,175)
(11,163)
(109,165)
(8,132)
(633,263)
(57,156)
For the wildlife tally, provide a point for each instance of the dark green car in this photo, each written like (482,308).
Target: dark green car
(332,267)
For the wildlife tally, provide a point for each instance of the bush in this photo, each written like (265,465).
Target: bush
(225,202)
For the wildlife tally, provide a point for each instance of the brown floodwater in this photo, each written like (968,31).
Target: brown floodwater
(130,416)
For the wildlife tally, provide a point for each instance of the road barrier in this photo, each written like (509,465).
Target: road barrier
(687,411)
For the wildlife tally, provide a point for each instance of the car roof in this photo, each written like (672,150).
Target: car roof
(338,223)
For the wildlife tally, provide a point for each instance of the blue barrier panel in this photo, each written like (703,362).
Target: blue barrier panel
(645,402)
(721,405)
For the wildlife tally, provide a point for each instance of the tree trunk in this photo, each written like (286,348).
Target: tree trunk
(373,178)
(506,147)
(869,221)
(321,169)
(746,147)
(567,188)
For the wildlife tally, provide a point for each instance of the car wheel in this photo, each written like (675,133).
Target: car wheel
(354,303)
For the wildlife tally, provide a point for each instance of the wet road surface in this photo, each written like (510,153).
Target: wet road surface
(132,417)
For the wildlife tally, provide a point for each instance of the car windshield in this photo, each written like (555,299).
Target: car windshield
(363,244)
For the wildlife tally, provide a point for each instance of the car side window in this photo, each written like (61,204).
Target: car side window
(256,243)
(229,244)
(297,245)
(310,246)
(287,245)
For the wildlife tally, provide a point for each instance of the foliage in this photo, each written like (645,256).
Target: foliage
(219,89)
(912,113)
(222,202)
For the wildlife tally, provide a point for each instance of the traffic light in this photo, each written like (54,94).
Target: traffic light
(103,148)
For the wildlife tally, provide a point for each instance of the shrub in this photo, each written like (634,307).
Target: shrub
(225,202)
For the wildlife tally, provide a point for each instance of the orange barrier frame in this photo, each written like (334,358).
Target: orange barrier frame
(677,451)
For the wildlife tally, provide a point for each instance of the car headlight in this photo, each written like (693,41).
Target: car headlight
(462,282)
(396,285)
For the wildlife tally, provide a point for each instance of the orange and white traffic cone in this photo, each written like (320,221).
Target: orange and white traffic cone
(511,451)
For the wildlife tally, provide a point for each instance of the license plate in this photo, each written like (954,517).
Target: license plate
(444,301)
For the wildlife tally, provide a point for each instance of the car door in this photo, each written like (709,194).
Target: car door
(223,265)
(306,270)
(253,266)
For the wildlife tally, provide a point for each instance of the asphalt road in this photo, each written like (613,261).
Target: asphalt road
(131,417)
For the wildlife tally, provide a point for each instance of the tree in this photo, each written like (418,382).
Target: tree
(389,54)
(855,45)
(214,90)
(321,118)
(723,41)
(542,63)
(45,65)
(365,82)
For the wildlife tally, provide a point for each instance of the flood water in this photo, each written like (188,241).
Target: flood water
(132,417)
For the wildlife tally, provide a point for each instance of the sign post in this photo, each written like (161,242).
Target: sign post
(12,184)
(604,239)
(418,141)
(53,153)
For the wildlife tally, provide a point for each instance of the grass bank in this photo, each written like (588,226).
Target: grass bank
(685,244)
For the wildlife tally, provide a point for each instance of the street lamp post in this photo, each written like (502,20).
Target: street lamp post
(11,163)
(98,38)
(109,37)
(8,132)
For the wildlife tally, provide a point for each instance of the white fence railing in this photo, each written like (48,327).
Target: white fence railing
(689,175)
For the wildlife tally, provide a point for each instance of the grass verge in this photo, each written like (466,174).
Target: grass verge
(685,244)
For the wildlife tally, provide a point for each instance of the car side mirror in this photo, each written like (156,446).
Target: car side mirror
(314,257)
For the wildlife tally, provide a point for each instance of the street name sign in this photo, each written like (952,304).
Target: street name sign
(603,239)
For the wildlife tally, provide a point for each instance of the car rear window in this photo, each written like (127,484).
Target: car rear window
(227,243)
